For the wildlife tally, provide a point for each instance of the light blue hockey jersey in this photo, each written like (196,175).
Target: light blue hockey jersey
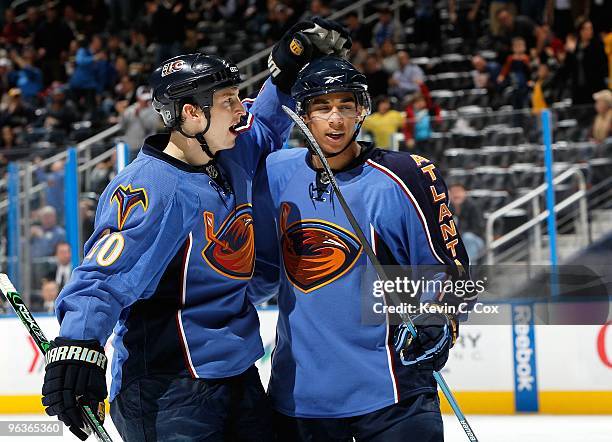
(169,260)
(331,359)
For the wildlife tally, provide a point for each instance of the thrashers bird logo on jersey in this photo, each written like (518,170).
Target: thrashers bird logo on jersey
(316,252)
(127,199)
(231,249)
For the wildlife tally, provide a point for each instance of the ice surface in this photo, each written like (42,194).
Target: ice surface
(515,428)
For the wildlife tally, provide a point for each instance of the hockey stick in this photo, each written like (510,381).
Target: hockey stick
(376,263)
(22,311)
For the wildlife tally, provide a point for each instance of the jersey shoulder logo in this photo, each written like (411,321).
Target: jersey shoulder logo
(231,248)
(127,199)
(316,252)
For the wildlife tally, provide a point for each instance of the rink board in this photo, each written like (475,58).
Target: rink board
(573,367)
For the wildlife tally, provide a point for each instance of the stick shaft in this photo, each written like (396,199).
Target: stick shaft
(23,313)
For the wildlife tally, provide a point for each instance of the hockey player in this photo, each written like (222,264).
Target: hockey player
(170,257)
(334,376)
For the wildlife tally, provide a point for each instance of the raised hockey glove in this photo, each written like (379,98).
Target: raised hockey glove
(303,42)
(329,37)
(436,335)
(74,375)
(290,55)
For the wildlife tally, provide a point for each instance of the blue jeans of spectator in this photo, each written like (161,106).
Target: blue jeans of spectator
(474,245)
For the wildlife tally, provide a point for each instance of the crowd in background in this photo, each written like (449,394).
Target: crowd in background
(69,68)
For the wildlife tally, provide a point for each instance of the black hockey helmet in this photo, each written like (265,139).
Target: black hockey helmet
(190,78)
(326,75)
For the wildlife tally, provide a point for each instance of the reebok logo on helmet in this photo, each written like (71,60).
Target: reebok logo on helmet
(330,80)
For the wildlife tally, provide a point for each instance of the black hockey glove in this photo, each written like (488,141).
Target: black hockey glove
(436,335)
(300,44)
(75,374)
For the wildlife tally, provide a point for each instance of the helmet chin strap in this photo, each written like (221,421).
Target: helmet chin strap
(200,135)
(353,138)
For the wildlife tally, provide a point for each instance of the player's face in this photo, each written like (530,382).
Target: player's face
(331,119)
(226,112)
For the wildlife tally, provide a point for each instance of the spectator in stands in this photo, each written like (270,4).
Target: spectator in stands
(27,77)
(121,14)
(562,14)
(167,26)
(359,31)
(469,219)
(85,81)
(494,7)
(47,235)
(544,89)
(485,73)
(12,31)
(384,29)
(137,49)
(602,125)
(94,14)
(31,23)
(49,292)
(125,93)
(60,112)
(106,73)
(357,55)
(60,269)
(8,140)
(52,38)
(54,179)
(534,9)
(607,40)
(139,120)
(320,7)
(463,15)
(427,25)
(585,63)
(512,26)
(378,78)
(280,19)
(517,71)
(383,123)
(417,126)
(14,111)
(87,211)
(407,79)
(122,66)
(6,68)
(101,175)
(390,58)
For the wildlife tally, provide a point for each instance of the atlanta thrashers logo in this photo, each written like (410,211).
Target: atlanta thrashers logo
(231,249)
(316,252)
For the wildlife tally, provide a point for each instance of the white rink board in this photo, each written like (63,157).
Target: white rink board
(481,360)
(568,357)
(574,358)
